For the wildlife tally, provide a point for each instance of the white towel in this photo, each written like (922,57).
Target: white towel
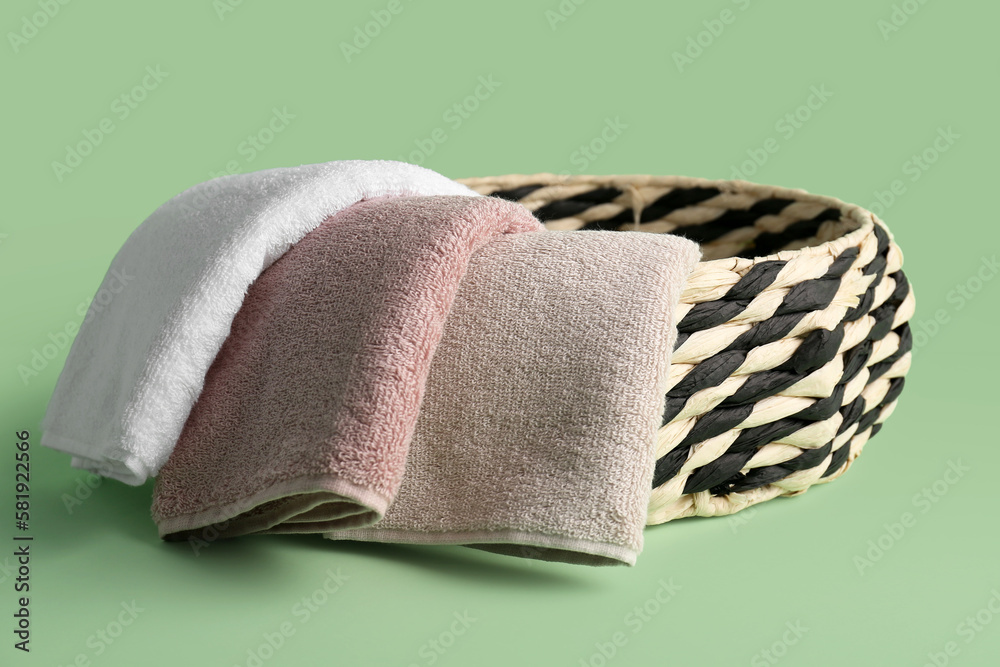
(139,362)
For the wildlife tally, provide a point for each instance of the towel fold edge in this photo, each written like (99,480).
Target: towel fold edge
(372,504)
(512,542)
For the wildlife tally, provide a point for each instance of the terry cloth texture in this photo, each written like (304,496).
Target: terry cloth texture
(536,437)
(308,410)
(139,360)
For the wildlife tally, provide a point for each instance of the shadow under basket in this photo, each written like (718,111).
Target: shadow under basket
(792,331)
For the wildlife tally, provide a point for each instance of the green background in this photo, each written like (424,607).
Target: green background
(743,580)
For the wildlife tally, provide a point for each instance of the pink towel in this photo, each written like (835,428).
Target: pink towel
(308,409)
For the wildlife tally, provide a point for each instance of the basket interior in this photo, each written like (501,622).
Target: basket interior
(733,221)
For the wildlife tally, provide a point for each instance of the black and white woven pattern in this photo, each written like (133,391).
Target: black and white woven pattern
(793,338)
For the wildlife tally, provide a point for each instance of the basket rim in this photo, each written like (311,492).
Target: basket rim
(631,182)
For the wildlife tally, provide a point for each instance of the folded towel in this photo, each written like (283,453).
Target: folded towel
(536,433)
(308,410)
(536,437)
(139,360)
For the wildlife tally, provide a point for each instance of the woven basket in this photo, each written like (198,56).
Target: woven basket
(793,338)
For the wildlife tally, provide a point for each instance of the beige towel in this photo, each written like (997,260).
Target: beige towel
(536,433)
